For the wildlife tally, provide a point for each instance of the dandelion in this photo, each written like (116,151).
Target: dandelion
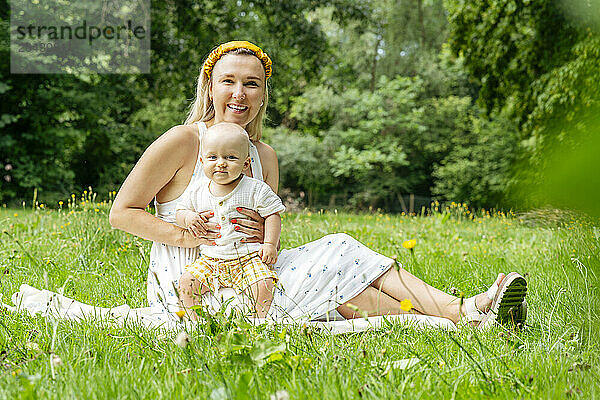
(15,215)
(406,305)
(60,203)
(409,244)
(180,313)
(182,339)
(96,209)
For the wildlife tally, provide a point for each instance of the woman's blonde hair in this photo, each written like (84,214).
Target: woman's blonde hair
(202,109)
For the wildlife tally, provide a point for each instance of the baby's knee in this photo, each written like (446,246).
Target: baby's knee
(264,286)
(189,283)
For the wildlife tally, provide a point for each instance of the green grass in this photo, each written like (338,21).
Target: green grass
(555,356)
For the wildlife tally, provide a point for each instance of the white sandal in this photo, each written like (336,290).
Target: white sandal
(509,297)
(508,304)
(473,314)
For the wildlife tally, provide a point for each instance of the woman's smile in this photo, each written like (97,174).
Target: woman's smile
(237,108)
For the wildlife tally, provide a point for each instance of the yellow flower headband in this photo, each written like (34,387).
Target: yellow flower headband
(217,53)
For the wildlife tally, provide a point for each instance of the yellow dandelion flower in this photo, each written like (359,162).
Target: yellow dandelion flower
(180,313)
(409,244)
(15,215)
(60,203)
(406,305)
(96,209)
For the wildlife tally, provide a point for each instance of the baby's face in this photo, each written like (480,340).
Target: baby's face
(224,154)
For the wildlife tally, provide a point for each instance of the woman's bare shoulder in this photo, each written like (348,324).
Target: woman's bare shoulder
(180,134)
(179,143)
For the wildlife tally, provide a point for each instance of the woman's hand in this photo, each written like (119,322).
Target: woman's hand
(253,226)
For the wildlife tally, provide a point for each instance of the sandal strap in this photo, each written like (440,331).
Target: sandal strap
(473,317)
(466,319)
(471,307)
(492,290)
(472,313)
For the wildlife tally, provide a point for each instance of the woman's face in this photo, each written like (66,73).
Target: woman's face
(237,88)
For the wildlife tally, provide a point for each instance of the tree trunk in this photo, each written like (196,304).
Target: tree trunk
(421,23)
(374,65)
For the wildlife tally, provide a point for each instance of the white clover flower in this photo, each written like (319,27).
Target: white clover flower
(280,395)
(33,346)
(182,339)
(56,361)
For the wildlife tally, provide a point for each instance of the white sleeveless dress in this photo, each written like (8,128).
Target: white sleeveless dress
(314,279)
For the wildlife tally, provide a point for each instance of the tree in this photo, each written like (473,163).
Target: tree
(536,61)
(63,133)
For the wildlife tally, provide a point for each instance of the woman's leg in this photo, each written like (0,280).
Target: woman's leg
(394,286)
(373,302)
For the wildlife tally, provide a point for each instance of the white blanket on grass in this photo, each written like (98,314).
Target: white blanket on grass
(50,304)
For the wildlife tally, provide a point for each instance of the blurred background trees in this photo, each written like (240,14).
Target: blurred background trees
(370,100)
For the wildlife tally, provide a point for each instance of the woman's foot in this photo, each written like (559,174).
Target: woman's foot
(474,309)
(503,302)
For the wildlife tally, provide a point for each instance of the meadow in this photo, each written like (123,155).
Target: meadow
(73,248)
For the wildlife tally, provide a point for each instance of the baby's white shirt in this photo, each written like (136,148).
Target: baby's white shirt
(249,193)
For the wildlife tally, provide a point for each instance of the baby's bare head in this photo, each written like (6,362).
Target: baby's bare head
(226,134)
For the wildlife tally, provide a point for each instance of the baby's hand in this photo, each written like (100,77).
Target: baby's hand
(268,253)
(196,224)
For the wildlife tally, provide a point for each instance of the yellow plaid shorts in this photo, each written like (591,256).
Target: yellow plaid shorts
(238,273)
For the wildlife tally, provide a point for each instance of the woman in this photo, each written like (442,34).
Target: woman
(332,273)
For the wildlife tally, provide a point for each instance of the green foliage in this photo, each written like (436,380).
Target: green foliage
(536,61)
(369,100)
(396,140)
(63,133)
(478,165)
(302,163)
(385,134)
(566,176)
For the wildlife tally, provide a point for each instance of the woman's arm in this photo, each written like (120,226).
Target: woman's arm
(166,166)
(254,225)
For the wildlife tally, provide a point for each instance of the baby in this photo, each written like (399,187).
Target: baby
(230,263)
